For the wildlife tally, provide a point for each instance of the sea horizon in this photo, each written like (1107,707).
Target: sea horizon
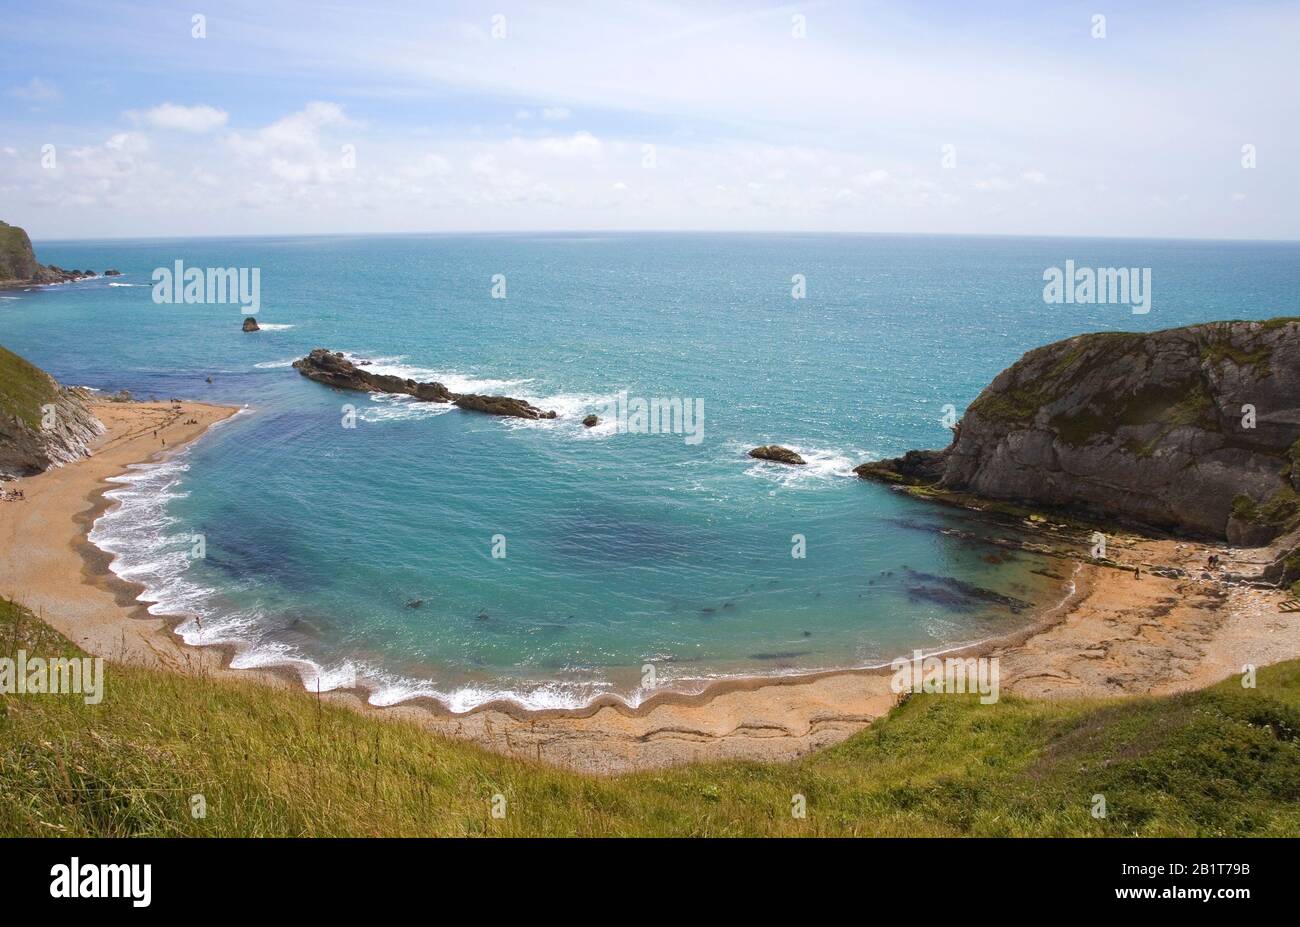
(507,232)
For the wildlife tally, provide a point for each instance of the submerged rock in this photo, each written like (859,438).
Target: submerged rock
(957,594)
(333,369)
(777,454)
(250,324)
(591,421)
(112,273)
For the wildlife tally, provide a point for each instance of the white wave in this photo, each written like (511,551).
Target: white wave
(274,326)
(150,547)
(272,365)
(456,382)
(822,465)
(392,407)
(570,410)
(128,284)
(540,696)
(143,538)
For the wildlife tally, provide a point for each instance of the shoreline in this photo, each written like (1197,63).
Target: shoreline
(1066,652)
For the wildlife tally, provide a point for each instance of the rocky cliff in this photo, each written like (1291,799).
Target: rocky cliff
(1193,429)
(42,424)
(18,264)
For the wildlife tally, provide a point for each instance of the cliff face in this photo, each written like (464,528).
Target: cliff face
(1156,428)
(42,424)
(18,264)
(17,260)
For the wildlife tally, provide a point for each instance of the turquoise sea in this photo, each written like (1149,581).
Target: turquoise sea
(366,553)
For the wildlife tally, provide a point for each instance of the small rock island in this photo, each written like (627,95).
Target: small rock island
(777,454)
(333,369)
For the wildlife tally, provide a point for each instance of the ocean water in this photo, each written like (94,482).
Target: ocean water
(621,550)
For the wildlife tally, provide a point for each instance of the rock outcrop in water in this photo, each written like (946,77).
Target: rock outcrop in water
(250,324)
(777,454)
(500,405)
(333,369)
(1193,429)
(18,264)
(42,424)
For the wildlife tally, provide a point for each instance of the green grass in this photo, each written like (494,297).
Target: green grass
(1189,401)
(271,762)
(1219,348)
(24,388)
(16,259)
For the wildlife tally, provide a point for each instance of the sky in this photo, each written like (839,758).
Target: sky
(1161,119)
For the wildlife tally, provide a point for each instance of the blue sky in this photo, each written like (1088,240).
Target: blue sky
(395,117)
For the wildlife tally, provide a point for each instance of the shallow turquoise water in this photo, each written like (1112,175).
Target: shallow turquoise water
(621,549)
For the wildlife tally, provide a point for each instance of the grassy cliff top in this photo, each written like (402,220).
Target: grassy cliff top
(24,388)
(17,261)
(1053,372)
(1223,761)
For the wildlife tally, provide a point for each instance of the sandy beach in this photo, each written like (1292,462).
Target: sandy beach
(1117,634)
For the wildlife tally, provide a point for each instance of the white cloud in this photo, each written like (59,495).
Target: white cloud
(430,165)
(199,118)
(872,178)
(750,129)
(36,90)
(579,145)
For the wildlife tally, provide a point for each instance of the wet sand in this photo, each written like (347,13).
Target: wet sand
(1115,635)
